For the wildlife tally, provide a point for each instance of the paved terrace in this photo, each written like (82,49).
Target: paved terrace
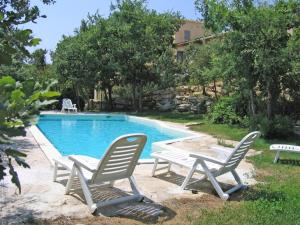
(43,198)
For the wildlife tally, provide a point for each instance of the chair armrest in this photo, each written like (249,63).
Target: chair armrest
(85,162)
(207,158)
(74,105)
(64,161)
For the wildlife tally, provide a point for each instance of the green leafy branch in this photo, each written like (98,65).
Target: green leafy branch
(19,107)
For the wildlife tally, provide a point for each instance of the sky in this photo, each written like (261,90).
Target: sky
(65,15)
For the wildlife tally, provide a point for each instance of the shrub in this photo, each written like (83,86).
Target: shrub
(19,107)
(224,112)
(278,127)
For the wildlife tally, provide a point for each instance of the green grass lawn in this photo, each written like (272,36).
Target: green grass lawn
(275,200)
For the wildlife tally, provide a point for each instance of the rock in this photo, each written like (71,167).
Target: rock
(184,107)
(164,106)
(190,124)
(193,100)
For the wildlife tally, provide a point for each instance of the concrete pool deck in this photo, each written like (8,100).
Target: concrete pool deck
(43,198)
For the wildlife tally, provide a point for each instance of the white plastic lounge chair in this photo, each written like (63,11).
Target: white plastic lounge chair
(211,167)
(283,148)
(64,105)
(67,105)
(118,163)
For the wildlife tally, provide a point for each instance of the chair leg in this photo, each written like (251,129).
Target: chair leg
(277,157)
(111,183)
(55,171)
(169,167)
(238,180)
(134,186)
(86,191)
(214,181)
(236,177)
(189,176)
(154,167)
(70,180)
(135,189)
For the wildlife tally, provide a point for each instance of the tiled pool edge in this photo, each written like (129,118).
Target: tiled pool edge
(45,145)
(51,152)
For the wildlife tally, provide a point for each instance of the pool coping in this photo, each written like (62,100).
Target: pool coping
(52,153)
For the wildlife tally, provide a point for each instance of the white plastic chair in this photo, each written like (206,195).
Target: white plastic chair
(283,148)
(67,105)
(211,167)
(118,163)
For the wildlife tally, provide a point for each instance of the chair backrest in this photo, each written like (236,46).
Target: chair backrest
(67,103)
(64,106)
(120,159)
(241,150)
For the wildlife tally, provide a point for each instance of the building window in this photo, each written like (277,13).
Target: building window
(180,56)
(187,35)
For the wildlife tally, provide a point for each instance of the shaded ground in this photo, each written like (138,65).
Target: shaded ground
(175,212)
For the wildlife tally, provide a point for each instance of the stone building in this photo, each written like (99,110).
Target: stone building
(191,31)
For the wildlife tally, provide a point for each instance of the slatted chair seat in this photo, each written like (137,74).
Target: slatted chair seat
(182,159)
(211,167)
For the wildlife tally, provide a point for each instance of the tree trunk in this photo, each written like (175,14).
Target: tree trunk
(110,101)
(86,98)
(106,98)
(204,90)
(140,92)
(77,96)
(270,100)
(215,89)
(252,106)
(134,96)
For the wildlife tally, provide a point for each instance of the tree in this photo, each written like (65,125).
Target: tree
(19,102)
(146,35)
(255,41)
(75,62)
(199,63)
(13,40)
(168,70)
(39,58)
(292,80)
(37,69)
(107,42)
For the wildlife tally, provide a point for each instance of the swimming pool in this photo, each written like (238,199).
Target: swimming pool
(92,134)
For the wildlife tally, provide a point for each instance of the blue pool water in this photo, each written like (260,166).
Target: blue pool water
(92,134)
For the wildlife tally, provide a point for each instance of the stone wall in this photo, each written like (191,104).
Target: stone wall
(182,99)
